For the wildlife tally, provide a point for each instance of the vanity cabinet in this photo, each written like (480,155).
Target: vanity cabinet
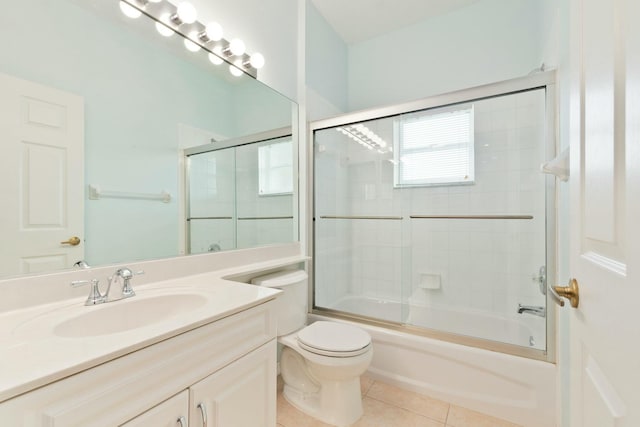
(170,413)
(242,394)
(228,365)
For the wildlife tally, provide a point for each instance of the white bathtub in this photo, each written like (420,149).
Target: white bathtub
(513,388)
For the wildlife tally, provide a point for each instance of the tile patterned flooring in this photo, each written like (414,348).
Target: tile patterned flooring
(389,406)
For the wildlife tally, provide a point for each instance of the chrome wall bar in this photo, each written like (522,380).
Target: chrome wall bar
(253,218)
(471,216)
(210,217)
(394,218)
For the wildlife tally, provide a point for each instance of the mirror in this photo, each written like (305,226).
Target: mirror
(259,211)
(98,110)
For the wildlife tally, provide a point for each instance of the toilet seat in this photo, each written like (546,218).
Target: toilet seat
(334,339)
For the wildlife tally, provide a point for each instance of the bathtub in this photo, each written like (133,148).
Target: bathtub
(523,330)
(513,388)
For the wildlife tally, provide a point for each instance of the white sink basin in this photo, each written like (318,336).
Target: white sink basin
(120,316)
(79,321)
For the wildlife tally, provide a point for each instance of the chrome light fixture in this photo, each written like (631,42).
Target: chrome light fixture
(182,18)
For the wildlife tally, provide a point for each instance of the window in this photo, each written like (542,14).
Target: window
(275,166)
(434,147)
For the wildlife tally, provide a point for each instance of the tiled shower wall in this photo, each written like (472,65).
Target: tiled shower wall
(224,184)
(475,264)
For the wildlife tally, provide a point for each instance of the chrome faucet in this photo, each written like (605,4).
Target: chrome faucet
(536,310)
(124,291)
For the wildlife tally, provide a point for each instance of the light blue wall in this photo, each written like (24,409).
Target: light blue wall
(489,41)
(136,94)
(326,60)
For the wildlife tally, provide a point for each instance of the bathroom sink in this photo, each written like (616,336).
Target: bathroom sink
(124,315)
(78,321)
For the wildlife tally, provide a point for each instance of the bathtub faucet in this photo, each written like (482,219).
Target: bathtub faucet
(532,309)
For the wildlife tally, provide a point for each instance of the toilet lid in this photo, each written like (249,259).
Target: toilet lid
(334,339)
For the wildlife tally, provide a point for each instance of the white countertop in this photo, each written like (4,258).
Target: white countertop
(33,355)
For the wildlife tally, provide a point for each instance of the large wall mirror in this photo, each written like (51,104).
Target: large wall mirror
(99,115)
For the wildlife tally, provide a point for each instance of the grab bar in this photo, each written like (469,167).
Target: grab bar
(96,193)
(209,217)
(252,218)
(471,216)
(395,218)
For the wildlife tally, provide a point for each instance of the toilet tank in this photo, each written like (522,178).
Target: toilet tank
(291,305)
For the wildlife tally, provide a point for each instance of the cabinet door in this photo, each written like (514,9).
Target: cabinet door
(240,395)
(170,413)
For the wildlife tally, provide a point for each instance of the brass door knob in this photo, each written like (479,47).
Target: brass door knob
(571,292)
(73,241)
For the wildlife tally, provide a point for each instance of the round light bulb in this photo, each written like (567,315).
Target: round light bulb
(162,27)
(214,31)
(190,44)
(257,61)
(237,47)
(216,59)
(129,10)
(236,69)
(187,13)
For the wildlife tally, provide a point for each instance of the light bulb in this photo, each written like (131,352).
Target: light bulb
(155,1)
(215,59)
(189,44)
(162,26)
(129,10)
(213,31)
(187,13)
(237,47)
(257,61)
(236,69)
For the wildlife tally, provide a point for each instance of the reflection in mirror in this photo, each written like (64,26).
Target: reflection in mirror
(105,101)
(242,195)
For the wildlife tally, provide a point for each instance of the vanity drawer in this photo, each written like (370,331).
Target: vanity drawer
(114,392)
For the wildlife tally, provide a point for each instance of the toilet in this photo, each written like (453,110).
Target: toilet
(320,363)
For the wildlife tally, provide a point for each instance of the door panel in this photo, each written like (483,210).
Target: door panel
(41,176)
(605,211)
(241,394)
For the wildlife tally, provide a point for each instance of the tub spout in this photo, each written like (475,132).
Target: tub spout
(532,309)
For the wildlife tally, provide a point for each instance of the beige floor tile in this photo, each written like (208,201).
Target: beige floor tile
(365,384)
(462,417)
(422,405)
(380,414)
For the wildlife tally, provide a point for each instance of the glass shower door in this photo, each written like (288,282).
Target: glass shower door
(436,219)
(358,222)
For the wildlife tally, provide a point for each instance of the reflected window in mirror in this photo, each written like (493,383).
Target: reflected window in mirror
(275,168)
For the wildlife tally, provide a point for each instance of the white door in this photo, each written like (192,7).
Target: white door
(41,177)
(605,213)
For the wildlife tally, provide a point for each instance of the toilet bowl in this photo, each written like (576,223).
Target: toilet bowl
(321,363)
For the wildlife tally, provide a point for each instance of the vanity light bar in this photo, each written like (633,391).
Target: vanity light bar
(365,137)
(182,19)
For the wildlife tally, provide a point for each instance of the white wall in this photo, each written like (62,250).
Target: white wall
(489,41)
(326,67)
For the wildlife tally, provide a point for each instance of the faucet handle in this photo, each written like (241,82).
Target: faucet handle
(95,297)
(126,274)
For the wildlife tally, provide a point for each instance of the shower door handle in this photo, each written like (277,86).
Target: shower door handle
(570,292)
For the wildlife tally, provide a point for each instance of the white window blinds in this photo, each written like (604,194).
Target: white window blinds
(434,148)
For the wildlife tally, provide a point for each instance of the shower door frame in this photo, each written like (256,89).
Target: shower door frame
(185,217)
(543,80)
